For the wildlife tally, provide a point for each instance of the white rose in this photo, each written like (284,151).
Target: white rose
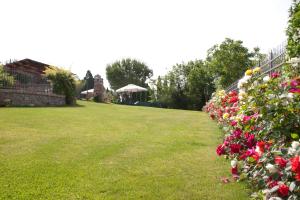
(275,198)
(295,144)
(283,96)
(291,151)
(257,150)
(294,60)
(272,169)
(290,95)
(233,163)
(266,78)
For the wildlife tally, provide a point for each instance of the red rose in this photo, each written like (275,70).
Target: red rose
(297,177)
(272,184)
(232,93)
(233,99)
(235,148)
(295,164)
(261,145)
(283,190)
(280,161)
(234,171)
(256,157)
(251,142)
(220,149)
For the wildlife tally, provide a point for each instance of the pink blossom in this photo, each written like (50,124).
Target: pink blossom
(233,123)
(275,75)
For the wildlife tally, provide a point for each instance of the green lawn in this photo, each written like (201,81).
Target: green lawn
(99,151)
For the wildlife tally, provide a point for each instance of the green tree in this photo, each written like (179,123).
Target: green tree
(63,82)
(257,57)
(228,61)
(186,86)
(159,88)
(6,80)
(89,81)
(293,30)
(127,71)
(200,83)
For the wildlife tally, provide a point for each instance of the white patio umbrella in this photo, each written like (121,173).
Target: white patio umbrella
(87,91)
(130,89)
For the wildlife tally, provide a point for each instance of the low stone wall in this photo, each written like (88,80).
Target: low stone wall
(29,98)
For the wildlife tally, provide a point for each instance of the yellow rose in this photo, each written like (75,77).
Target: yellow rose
(225,115)
(221,92)
(256,70)
(249,72)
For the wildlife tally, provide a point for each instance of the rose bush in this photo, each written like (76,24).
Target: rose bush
(262,127)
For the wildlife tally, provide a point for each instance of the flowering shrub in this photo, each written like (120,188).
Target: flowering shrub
(293,30)
(262,127)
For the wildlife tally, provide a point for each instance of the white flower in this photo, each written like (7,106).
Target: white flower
(271,96)
(292,186)
(291,151)
(242,94)
(266,78)
(285,103)
(233,163)
(272,169)
(275,198)
(295,145)
(243,81)
(283,96)
(294,61)
(257,150)
(290,95)
(255,83)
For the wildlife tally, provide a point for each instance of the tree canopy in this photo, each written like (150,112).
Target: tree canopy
(186,86)
(228,61)
(127,71)
(293,32)
(88,81)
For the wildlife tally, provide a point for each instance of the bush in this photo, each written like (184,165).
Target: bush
(6,80)
(262,127)
(63,82)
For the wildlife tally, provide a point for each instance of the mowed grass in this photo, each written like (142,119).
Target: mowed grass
(100,151)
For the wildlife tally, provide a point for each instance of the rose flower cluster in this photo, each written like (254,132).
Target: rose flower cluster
(261,122)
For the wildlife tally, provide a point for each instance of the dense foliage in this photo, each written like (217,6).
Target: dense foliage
(127,71)
(228,61)
(262,127)
(293,31)
(5,78)
(63,82)
(189,85)
(88,81)
(186,86)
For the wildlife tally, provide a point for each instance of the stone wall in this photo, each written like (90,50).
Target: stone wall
(29,98)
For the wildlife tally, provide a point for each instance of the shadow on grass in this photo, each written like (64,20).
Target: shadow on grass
(46,106)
